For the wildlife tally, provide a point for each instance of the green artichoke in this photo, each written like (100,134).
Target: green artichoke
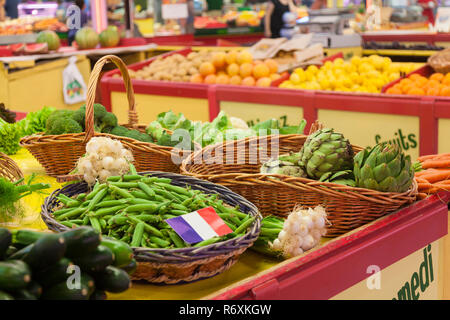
(286,165)
(325,151)
(383,168)
(344,177)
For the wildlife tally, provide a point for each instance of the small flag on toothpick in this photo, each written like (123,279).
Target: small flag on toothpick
(199,225)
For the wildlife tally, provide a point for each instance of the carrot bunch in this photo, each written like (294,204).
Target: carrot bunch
(435,175)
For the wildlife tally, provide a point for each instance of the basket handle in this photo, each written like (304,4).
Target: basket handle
(317,125)
(92,88)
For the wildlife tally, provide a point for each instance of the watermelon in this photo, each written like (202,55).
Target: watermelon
(86,38)
(109,37)
(17,48)
(49,37)
(36,48)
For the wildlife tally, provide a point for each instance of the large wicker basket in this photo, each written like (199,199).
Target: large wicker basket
(58,154)
(347,207)
(440,61)
(171,266)
(9,169)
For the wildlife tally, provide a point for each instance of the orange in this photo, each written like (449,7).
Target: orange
(255,62)
(446,80)
(248,81)
(236,80)
(405,82)
(243,57)
(272,64)
(261,71)
(421,81)
(437,76)
(210,79)
(406,88)
(196,78)
(233,69)
(397,86)
(433,91)
(416,91)
(218,59)
(414,76)
(275,76)
(433,83)
(245,69)
(231,57)
(445,91)
(222,79)
(207,68)
(393,90)
(221,73)
(263,82)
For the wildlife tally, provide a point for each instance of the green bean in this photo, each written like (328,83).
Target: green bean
(95,224)
(121,192)
(179,243)
(112,203)
(94,191)
(62,197)
(133,169)
(148,228)
(178,212)
(147,190)
(187,202)
(232,226)
(176,189)
(85,220)
(268,224)
(71,214)
(160,242)
(97,197)
(108,210)
(73,204)
(270,232)
(69,224)
(166,194)
(168,216)
(141,201)
(151,218)
(140,194)
(125,238)
(137,235)
(230,217)
(118,220)
(159,198)
(144,243)
(81,197)
(126,185)
(148,207)
(178,206)
(156,179)
(207,242)
(61,211)
(126,178)
(77,221)
(103,224)
(245,225)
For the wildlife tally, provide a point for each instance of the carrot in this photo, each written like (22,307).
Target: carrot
(425,172)
(433,156)
(436,164)
(437,176)
(421,180)
(440,186)
(422,186)
(422,195)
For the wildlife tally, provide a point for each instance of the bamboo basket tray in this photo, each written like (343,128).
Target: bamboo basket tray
(58,154)
(440,61)
(170,266)
(347,207)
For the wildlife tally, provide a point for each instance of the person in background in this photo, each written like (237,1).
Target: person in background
(83,21)
(2,11)
(428,7)
(11,8)
(273,20)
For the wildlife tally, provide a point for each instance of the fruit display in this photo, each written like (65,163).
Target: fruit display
(133,208)
(50,38)
(394,45)
(30,24)
(236,67)
(86,38)
(437,84)
(78,264)
(109,37)
(433,175)
(360,74)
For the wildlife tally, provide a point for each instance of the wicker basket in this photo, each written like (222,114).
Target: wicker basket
(58,154)
(178,265)
(347,207)
(9,169)
(440,61)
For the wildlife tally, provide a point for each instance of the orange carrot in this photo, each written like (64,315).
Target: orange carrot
(436,164)
(421,180)
(422,195)
(433,156)
(425,172)
(437,176)
(441,186)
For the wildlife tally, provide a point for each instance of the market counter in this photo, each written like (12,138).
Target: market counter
(400,244)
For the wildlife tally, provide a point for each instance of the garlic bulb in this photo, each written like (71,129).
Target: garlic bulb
(302,231)
(104,157)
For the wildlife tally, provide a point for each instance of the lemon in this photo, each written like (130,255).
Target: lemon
(356,78)
(324,84)
(338,62)
(328,65)
(295,78)
(373,74)
(313,69)
(365,67)
(355,60)
(394,76)
(346,82)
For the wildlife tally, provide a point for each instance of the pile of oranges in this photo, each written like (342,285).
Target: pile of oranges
(236,68)
(437,84)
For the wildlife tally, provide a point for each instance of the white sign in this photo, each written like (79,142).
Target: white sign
(174,11)
(442,23)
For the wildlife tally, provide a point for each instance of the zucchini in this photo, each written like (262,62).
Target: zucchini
(131,267)
(53,274)
(14,275)
(11,250)
(34,288)
(87,282)
(61,291)
(5,241)
(23,294)
(46,251)
(95,261)
(5,296)
(27,237)
(123,254)
(97,295)
(112,279)
(81,241)
(20,254)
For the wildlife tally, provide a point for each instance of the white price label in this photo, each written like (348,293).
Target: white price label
(174,11)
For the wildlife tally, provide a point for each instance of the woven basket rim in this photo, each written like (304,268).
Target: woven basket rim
(172,256)
(10,167)
(289,181)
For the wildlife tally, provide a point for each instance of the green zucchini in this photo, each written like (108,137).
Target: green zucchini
(46,251)
(14,275)
(27,237)
(123,254)
(98,295)
(21,254)
(54,273)
(5,296)
(131,267)
(61,291)
(34,288)
(87,282)
(112,279)
(23,294)
(5,241)
(11,250)
(95,261)
(81,241)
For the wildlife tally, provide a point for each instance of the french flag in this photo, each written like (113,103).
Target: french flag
(199,225)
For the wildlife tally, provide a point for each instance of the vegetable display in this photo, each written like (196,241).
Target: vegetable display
(435,174)
(301,231)
(78,264)
(133,208)
(9,137)
(34,122)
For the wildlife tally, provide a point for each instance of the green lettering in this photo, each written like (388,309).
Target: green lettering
(430,262)
(284,118)
(405,292)
(411,138)
(414,286)
(402,138)
(377,138)
(424,269)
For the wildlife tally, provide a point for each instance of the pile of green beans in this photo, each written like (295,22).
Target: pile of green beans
(133,208)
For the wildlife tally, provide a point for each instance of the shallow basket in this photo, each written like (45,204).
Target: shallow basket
(347,207)
(440,61)
(172,266)
(9,169)
(58,154)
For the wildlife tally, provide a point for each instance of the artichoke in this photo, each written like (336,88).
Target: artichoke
(383,168)
(285,164)
(325,151)
(344,177)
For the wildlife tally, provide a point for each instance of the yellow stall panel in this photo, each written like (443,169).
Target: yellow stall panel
(368,129)
(443,135)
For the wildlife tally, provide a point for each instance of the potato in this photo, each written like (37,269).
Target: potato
(192,55)
(193,71)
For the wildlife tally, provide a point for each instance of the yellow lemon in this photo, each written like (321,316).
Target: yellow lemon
(295,78)
(338,62)
(313,69)
(324,84)
(355,60)
(346,82)
(394,76)
(328,65)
